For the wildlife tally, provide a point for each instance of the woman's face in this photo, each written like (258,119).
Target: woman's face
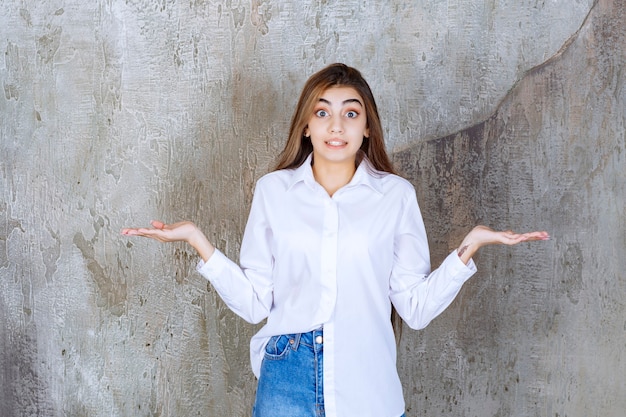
(337,126)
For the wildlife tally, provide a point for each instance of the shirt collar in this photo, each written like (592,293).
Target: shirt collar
(365,174)
(304,173)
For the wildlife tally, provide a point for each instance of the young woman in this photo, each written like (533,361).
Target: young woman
(334,239)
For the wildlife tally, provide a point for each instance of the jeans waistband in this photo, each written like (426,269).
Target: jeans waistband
(313,339)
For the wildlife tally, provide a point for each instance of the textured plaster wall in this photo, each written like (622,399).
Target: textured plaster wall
(113,113)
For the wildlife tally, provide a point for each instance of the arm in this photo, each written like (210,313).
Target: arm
(420,295)
(248,293)
(247,290)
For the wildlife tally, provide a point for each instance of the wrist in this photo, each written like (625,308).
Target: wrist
(201,244)
(468,247)
(462,249)
(466,251)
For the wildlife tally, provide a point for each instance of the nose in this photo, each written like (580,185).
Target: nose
(336,124)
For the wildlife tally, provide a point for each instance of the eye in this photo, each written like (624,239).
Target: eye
(321,113)
(351,114)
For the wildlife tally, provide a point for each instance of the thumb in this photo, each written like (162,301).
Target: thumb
(157,224)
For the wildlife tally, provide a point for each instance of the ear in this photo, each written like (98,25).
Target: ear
(366,133)
(306,132)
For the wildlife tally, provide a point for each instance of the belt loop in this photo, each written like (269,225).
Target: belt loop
(294,340)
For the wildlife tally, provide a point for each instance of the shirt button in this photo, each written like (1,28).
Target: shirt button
(319,340)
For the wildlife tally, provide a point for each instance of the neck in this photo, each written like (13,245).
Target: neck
(333,176)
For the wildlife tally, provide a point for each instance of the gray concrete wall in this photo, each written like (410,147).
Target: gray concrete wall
(113,113)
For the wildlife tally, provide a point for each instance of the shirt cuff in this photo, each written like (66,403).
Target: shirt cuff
(470,264)
(214,266)
(459,266)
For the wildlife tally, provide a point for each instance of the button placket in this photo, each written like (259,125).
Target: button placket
(329,257)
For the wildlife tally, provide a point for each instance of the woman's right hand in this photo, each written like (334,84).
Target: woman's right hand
(184,231)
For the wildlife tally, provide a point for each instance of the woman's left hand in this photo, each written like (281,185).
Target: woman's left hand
(481,236)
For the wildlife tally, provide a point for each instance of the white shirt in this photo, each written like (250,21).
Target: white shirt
(310,260)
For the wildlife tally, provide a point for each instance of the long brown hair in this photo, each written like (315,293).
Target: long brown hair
(298,147)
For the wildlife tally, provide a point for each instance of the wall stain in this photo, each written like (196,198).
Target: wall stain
(11,92)
(6,228)
(23,391)
(260,15)
(51,255)
(48,44)
(569,272)
(25,14)
(112,295)
(14,69)
(239,15)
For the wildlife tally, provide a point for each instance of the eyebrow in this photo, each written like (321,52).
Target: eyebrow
(350,100)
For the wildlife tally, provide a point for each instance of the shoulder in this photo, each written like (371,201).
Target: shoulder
(387,183)
(398,192)
(395,184)
(275,181)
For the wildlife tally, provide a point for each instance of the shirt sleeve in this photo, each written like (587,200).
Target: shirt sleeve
(418,294)
(246,289)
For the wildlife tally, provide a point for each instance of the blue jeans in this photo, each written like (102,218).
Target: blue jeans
(291,380)
(292,377)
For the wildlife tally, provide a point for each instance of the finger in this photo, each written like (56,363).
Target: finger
(144,232)
(511,236)
(532,236)
(515,239)
(157,224)
(538,235)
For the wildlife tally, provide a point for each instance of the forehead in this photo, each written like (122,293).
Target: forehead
(341,95)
